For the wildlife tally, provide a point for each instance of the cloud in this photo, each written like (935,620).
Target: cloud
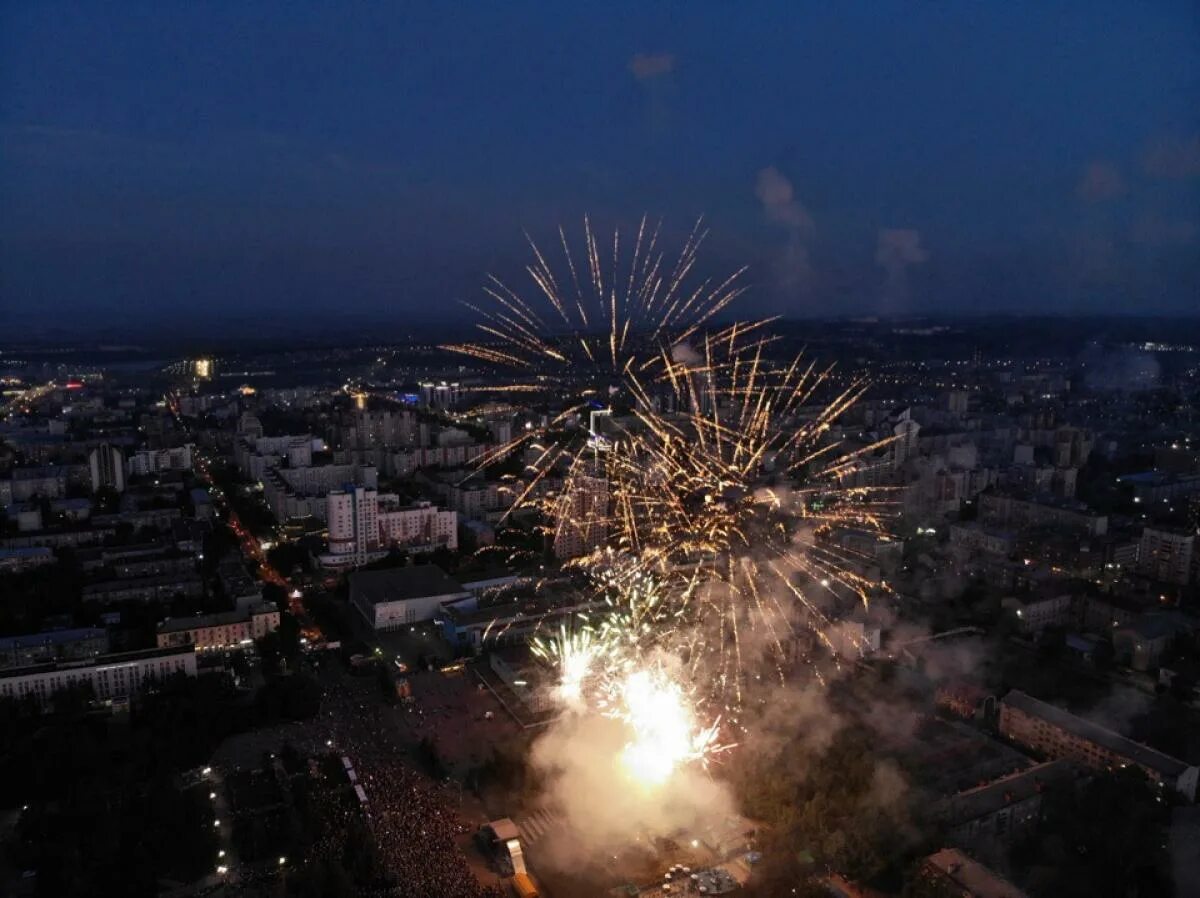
(781,207)
(896,250)
(647,66)
(1173,158)
(1101,181)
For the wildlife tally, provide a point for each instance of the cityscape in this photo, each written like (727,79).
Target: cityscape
(555,547)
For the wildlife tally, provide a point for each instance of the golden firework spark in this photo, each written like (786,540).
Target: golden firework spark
(721,485)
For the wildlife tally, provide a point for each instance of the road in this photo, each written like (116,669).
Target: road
(251,547)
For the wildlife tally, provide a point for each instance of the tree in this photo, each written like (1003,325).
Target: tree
(1107,838)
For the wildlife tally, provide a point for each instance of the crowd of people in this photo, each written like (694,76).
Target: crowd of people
(411,818)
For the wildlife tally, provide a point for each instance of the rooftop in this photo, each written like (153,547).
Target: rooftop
(98,661)
(981,801)
(399,584)
(1140,754)
(217,619)
(50,637)
(976,879)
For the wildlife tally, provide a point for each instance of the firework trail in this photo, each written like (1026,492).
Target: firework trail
(713,489)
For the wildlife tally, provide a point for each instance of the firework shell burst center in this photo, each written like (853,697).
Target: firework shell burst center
(718,472)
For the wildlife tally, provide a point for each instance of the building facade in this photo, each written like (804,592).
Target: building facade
(224,630)
(111,677)
(1056,733)
(106,464)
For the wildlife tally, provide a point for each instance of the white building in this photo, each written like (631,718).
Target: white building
(154,461)
(107,466)
(110,676)
(353,519)
(363,526)
(1167,555)
(1036,613)
(405,462)
(401,597)
(439,395)
(255,456)
(223,630)
(422,527)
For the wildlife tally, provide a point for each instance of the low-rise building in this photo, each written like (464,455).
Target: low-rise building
(119,676)
(1057,733)
(1035,613)
(53,645)
(159,588)
(963,876)
(401,597)
(1142,644)
(1003,810)
(223,630)
(22,559)
(1002,510)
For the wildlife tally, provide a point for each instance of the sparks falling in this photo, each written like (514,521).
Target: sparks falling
(721,478)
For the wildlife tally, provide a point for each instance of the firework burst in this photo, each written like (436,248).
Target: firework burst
(716,485)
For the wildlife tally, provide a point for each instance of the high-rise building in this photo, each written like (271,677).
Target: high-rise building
(905,444)
(440,395)
(1167,555)
(107,464)
(353,519)
(582,524)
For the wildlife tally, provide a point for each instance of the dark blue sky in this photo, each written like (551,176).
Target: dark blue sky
(189,162)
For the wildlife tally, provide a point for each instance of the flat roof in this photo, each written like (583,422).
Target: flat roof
(536,609)
(969,874)
(403,583)
(51,637)
(98,661)
(1140,754)
(971,804)
(216,619)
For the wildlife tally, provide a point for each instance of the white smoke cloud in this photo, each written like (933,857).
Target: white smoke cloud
(1101,181)
(645,66)
(605,809)
(779,201)
(896,251)
(781,207)
(685,354)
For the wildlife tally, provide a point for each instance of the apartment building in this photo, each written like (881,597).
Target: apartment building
(223,630)
(1057,733)
(111,677)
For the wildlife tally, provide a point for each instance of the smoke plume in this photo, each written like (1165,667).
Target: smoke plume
(898,249)
(782,208)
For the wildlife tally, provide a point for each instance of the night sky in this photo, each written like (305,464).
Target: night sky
(197,163)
